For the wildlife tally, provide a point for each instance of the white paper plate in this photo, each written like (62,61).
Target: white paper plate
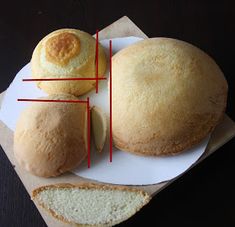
(126,168)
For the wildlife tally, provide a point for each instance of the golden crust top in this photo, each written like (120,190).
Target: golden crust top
(67,53)
(167,96)
(62,47)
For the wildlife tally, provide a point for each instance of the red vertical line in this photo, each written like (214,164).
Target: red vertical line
(97,60)
(88,135)
(110,104)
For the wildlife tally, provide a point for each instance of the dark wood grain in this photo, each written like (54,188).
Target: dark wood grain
(202,197)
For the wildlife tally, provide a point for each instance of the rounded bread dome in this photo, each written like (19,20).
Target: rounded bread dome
(67,53)
(51,137)
(167,96)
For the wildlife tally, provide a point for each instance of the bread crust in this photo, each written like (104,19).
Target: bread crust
(167,96)
(87,185)
(67,53)
(50,138)
(99,127)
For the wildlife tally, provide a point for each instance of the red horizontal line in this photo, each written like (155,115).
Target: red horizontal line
(51,100)
(58,79)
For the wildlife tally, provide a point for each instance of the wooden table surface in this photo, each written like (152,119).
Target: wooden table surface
(202,197)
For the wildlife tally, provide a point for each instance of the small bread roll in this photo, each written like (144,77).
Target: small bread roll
(51,137)
(67,53)
(167,96)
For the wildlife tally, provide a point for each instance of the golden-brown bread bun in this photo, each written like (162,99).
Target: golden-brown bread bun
(51,138)
(67,53)
(167,96)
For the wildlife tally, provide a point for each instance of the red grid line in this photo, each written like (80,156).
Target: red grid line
(97,60)
(88,134)
(51,100)
(62,79)
(87,101)
(110,104)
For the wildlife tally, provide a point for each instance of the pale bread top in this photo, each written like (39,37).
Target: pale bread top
(167,96)
(51,137)
(67,53)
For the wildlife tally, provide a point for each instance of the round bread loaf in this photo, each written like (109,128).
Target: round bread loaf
(67,53)
(167,96)
(51,137)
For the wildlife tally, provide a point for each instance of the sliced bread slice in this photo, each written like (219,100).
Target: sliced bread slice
(89,204)
(99,127)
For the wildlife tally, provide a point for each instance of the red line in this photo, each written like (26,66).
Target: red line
(97,60)
(50,100)
(88,134)
(58,79)
(110,104)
